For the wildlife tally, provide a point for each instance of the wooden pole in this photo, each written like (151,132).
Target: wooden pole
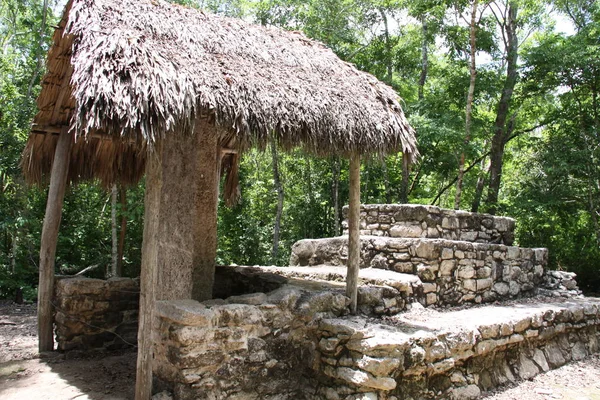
(148,274)
(354,234)
(56,194)
(123,230)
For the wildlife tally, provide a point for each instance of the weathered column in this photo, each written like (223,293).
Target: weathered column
(56,194)
(180,231)
(353,232)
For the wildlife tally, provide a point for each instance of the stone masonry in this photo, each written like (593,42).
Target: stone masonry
(283,333)
(96,313)
(451,272)
(298,343)
(421,221)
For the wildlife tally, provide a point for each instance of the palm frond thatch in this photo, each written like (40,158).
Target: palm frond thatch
(132,71)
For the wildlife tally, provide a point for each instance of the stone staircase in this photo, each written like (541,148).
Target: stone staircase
(459,257)
(448,309)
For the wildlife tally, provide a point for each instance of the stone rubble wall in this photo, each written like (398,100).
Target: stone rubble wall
(294,344)
(452,272)
(96,313)
(559,284)
(253,346)
(421,221)
(372,363)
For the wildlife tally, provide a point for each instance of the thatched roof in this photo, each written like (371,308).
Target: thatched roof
(123,73)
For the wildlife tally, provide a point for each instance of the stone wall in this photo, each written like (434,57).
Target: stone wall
(422,360)
(297,344)
(253,346)
(452,272)
(420,221)
(95,313)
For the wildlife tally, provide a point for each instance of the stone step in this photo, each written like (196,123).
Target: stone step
(423,221)
(429,354)
(379,292)
(452,272)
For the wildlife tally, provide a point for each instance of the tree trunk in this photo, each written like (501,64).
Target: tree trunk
(386,182)
(113,225)
(388,48)
(424,59)
(279,189)
(354,233)
(122,231)
(404,185)
(469,110)
(479,186)
(335,193)
(180,231)
(56,194)
(501,131)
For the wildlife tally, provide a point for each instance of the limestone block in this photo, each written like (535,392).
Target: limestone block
(527,368)
(429,287)
(404,267)
(370,295)
(470,285)
(385,219)
(364,379)
(512,253)
(506,329)
(501,288)
(485,346)
(554,355)
(466,392)
(378,366)
(450,223)
(379,261)
(427,250)
(447,267)
(540,360)
(425,272)
(401,256)
(185,312)
(513,288)
(447,253)
(433,233)
(409,231)
(431,298)
(489,331)
(329,344)
(503,224)
(469,236)
(484,284)
(522,325)
(578,352)
(483,272)
(465,272)
(251,298)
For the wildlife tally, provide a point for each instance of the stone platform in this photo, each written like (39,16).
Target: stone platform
(456,353)
(452,272)
(296,343)
(431,222)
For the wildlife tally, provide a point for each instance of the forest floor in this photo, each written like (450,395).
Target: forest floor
(26,376)
(111,375)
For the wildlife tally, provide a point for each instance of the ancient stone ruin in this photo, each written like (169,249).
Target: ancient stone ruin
(448,308)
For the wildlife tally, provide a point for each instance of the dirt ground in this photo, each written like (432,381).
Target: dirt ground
(111,375)
(25,376)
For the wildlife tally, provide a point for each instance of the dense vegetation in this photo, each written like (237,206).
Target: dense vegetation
(504,96)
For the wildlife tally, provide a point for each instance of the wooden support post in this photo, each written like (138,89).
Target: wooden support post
(180,231)
(56,194)
(353,230)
